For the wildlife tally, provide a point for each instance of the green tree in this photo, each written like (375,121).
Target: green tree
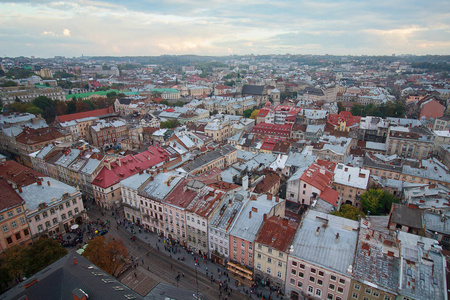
(48,107)
(340,107)
(248,113)
(254,114)
(169,124)
(41,254)
(349,212)
(357,110)
(111,95)
(9,83)
(377,201)
(34,110)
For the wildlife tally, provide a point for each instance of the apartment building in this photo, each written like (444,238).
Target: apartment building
(13,221)
(272,247)
(219,158)
(350,182)
(108,133)
(320,263)
(410,142)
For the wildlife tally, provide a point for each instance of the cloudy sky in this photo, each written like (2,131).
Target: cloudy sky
(218,27)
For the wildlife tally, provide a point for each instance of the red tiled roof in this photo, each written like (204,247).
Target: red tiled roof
(223,87)
(277,233)
(317,177)
(432,109)
(273,129)
(344,116)
(267,183)
(18,174)
(128,166)
(329,195)
(263,112)
(32,136)
(85,114)
(181,197)
(8,197)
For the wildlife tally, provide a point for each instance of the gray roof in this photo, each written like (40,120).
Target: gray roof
(252,89)
(58,280)
(35,194)
(245,227)
(134,182)
(322,249)
(163,291)
(436,223)
(227,214)
(158,188)
(208,157)
(90,166)
(404,215)
(66,160)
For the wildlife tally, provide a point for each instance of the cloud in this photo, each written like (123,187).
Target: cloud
(216,27)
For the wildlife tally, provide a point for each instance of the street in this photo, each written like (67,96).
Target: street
(153,261)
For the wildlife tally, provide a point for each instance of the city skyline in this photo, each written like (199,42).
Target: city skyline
(139,28)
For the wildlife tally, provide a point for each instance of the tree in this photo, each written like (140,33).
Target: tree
(377,201)
(169,124)
(254,114)
(48,107)
(9,83)
(41,254)
(108,255)
(340,107)
(34,110)
(349,212)
(247,113)
(357,110)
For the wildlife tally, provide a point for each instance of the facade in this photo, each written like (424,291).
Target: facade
(219,158)
(52,207)
(108,134)
(13,221)
(320,263)
(272,246)
(332,148)
(410,142)
(28,94)
(129,190)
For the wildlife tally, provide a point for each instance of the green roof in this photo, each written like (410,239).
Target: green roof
(165,90)
(99,93)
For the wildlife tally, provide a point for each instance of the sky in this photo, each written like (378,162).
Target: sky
(73,28)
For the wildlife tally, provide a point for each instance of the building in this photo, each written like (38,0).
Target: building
(273,130)
(220,158)
(244,231)
(52,207)
(108,133)
(376,266)
(406,219)
(410,142)
(321,258)
(28,94)
(442,123)
(350,182)
(272,247)
(332,148)
(129,190)
(13,220)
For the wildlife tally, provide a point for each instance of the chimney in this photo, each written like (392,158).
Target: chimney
(79,294)
(168,183)
(264,217)
(164,170)
(39,182)
(20,189)
(277,199)
(75,261)
(336,239)
(255,209)
(269,196)
(230,202)
(151,178)
(250,214)
(317,231)
(285,222)
(48,182)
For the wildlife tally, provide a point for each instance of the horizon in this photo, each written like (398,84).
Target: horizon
(45,28)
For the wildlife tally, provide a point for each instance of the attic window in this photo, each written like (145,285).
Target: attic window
(130,296)
(118,288)
(97,273)
(108,280)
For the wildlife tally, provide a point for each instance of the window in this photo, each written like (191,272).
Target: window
(292,281)
(280,254)
(55,221)
(26,232)
(357,286)
(2,217)
(312,279)
(18,237)
(19,210)
(293,272)
(299,284)
(242,244)
(279,274)
(269,250)
(375,294)
(342,281)
(331,286)
(340,290)
(302,266)
(330,296)
(332,277)
(5,228)
(355,295)
(9,240)
(294,263)
(13,224)
(259,255)
(10,214)
(310,289)
(280,264)
(319,282)
(300,274)
(387,298)
(47,224)
(321,273)
(313,271)
(40,228)
(69,213)
(37,218)
(68,203)
(52,211)
(259,246)
(318,292)
(269,260)
(368,291)
(268,270)
(63,216)
(258,266)
(76,210)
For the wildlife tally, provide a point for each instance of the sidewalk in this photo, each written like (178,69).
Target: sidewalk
(216,272)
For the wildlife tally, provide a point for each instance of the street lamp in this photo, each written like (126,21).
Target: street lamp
(196,280)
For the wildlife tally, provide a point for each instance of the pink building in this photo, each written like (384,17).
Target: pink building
(320,263)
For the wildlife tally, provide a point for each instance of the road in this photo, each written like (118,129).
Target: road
(161,266)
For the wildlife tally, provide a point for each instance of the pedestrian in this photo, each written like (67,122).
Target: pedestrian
(183,274)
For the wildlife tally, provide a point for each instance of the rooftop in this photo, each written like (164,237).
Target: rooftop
(277,233)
